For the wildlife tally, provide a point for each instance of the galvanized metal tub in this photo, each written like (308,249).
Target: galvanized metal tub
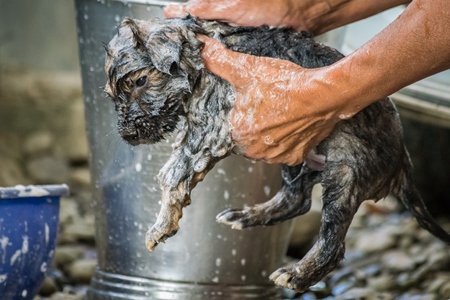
(204,260)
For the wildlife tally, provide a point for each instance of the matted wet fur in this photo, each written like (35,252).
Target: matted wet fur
(158,83)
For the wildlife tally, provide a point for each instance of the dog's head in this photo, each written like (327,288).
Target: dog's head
(151,66)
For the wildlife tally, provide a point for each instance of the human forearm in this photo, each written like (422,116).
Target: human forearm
(414,46)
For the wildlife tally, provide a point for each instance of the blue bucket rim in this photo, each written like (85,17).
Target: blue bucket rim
(34,191)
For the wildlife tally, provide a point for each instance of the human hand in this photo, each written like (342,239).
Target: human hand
(316,16)
(282,110)
(245,12)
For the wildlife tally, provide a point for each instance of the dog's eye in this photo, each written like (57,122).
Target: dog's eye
(141,81)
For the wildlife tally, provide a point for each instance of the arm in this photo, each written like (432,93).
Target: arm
(317,16)
(305,104)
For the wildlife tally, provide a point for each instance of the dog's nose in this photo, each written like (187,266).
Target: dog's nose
(131,138)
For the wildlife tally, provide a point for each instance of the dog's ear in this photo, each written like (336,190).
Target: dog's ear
(174,45)
(139,42)
(165,48)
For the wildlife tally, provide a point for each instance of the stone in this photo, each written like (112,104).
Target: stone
(382,283)
(73,143)
(83,229)
(80,177)
(65,296)
(444,291)
(410,296)
(69,211)
(11,173)
(81,271)
(38,142)
(48,170)
(48,287)
(357,293)
(66,254)
(435,284)
(398,260)
(378,240)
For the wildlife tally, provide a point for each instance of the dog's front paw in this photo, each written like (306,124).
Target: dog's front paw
(236,218)
(155,236)
(291,279)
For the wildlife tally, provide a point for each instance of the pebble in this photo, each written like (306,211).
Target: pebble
(43,170)
(81,271)
(381,239)
(38,142)
(67,254)
(398,260)
(48,287)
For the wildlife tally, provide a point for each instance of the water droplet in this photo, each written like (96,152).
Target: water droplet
(266,190)
(344,116)
(138,167)
(226,195)
(218,262)
(268,140)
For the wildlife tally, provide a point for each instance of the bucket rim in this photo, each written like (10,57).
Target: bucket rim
(34,191)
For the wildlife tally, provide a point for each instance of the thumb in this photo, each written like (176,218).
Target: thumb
(232,66)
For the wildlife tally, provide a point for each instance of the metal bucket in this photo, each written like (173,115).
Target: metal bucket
(204,260)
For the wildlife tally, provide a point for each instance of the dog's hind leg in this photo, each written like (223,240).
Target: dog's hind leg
(293,199)
(339,207)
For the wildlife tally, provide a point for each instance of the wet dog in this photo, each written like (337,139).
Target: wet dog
(158,84)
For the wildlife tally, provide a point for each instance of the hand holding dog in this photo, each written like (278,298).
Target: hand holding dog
(266,121)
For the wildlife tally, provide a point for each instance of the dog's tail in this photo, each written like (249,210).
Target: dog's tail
(411,199)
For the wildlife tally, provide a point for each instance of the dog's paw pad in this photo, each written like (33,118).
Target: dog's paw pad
(285,278)
(281,277)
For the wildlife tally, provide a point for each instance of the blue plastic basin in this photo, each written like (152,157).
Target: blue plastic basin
(29,219)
